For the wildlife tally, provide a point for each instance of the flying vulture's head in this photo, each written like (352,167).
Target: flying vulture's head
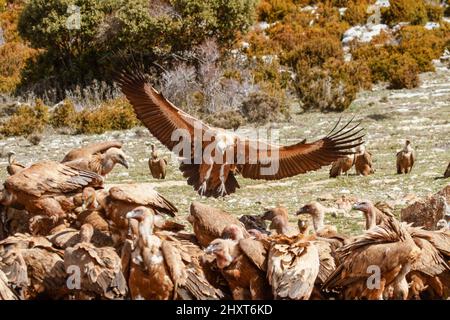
(117,156)
(86,232)
(364,206)
(232,232)
(223,250)
(89,199)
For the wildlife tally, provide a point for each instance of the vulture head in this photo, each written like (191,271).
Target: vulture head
(443,225)
(154,152)
(11,157)
(225,251)
(140,213)
(303,226)
(271,213)
(86,232)
(311,208)
(7,198)
(145,216)
(116,155)
(256,234)
(364,206)
(89,199)
(232,232)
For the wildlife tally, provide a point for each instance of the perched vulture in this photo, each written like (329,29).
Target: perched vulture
(373,215)
(100,163)
(163,267)
(447,171)
(99,268)
(363,162)
(292,267)
(46,189)
(342,165)
(208,222)
(374,261)
(442,224)
(243,264)
(90,150)
(405,158)
(121,199)
(157,165)
(91,212)
(279,221)
(211,156)
(33,267)
(13,166)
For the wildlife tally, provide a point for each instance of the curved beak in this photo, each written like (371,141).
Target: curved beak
(302,210)
(131,214)
(124,162)
(356,206)
(210,249)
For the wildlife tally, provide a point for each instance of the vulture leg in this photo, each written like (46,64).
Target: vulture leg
(222,189)
(204,176)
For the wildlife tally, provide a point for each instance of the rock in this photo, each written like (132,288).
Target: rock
(427,212)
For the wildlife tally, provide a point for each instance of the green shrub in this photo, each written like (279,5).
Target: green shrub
(413,11)
(264,106)
(434,12)
(226,119)
(64,115)
(26,120)
(356,13)
(403,72)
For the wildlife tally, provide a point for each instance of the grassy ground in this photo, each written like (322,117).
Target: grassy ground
(389,117)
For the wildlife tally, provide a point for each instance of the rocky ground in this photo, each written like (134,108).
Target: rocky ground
(389,117)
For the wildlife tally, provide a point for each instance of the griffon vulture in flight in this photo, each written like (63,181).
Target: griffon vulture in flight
(211,156)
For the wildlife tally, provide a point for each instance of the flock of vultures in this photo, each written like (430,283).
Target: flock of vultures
(64,234)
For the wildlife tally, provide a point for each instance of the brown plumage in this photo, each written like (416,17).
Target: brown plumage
(279,221)
(119,200)
(342,165)
(447,171)
(216,178)
(6,292)
(208,222)
(243,264)
(13,166)
(163,267)
(405,158)
(292,267)
(157,165)
(90,150)
(99,268)
(363,162)
(100,163)
(387,248)
(254,222)
(46,189)
(33,267)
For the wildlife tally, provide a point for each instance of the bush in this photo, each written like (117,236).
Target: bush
(64,115)
(356,13)
(26,120)
(264,106)
(226,119)
(34,138)
(274,10)
(403,72)
(115,114)
(434,12)
(413,11)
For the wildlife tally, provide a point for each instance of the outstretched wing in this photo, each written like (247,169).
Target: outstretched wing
(274,162)
(90,149)
(49,177)
(157,113)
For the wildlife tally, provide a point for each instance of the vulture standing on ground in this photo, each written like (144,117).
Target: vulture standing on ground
(120,200)
(243,264)
(342,166)
(405,158)
(363,161)
(99,268)
(13,166)
(163,267)
(208,223)
(46,189)
(157,165)
(374,261)
(211,156)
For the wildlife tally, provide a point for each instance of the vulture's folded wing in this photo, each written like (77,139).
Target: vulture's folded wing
(158,114)
(49,177)
(141,194)
(93,148)
(270,162)
(255,251)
